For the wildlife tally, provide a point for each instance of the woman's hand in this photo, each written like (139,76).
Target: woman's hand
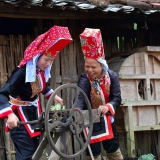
(58,99)
(102,110)
(12,121)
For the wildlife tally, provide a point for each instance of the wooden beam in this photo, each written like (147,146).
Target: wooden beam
(96,117)
(146,128)
(138,76)
(140,103)
(42,12)
(136,50)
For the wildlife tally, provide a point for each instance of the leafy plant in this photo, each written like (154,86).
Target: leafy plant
(146,157)
(58,106)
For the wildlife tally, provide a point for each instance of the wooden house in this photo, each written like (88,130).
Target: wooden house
(125,25)
(139,83)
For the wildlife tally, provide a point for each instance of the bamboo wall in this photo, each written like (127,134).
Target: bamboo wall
(119,38)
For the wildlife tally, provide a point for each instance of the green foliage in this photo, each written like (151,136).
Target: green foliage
(58,106)
(135,26)
(146,157)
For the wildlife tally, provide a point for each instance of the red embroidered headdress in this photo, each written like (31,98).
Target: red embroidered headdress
(92,44)
(50,43)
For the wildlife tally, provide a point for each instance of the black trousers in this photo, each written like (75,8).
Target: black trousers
(109,146)
(24,145)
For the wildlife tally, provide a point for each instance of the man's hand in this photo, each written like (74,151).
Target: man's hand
(102,110)
(12,121)
(58,99)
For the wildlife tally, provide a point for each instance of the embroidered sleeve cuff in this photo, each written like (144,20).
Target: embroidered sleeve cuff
(4,112)
(48,94)
(111,109)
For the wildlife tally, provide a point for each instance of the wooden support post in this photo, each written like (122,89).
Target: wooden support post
(130,133)
(8,146)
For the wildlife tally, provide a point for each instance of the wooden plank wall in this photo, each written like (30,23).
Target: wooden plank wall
(11,52)
(119,38)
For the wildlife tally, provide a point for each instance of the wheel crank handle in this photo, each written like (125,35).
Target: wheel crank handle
(28,122)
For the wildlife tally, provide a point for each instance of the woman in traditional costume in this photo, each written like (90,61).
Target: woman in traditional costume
(19,97)
(101,85)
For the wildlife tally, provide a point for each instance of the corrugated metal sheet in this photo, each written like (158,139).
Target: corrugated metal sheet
(82,5)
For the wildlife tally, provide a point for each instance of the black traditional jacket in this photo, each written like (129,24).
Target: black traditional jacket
(103,129)
(22,98)
(115,93)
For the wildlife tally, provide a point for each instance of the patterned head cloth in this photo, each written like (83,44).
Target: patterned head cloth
(50,44)
(92,44)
